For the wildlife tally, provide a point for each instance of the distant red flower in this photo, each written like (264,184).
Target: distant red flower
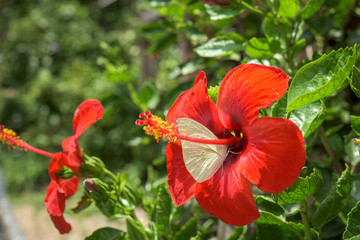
(267,151)
(86,114)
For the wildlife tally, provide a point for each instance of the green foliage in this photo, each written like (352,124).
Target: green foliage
(307,118)
(301,189)
(335,200)
(355,81)
(162,211)
(107,233)
(320,78)
(189,230)
(140,55)
(136,230)
(221,46)
(353,222)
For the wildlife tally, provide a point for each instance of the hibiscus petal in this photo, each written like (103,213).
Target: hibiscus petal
(70,186)
(86,114)
(72,149)
(228,195)
(245,90)
(61,224)
(274,155)
(181,183)
(55,204)
(56,164)
(196,104)
(55,199)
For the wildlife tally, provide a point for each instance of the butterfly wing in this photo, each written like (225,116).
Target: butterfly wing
(201,160)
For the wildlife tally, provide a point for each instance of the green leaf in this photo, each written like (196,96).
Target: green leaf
(221,13)
(311,8)
(335,201)
(238,234)
(307,118)
(262,47)
(107,233)
(158,3)
(84,203)
(288,8)
(355,81)
(271,212)
(301,189)
(353,224)
(160,43)
(136,230)
(189,230)
(213,92)
(272,223)
(320,78)
(163,207)
(353,152)
(355,124)
(221,46)
(273,29)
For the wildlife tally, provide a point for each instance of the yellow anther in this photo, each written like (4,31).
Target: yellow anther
(155,126)
(9,137)
(356,140)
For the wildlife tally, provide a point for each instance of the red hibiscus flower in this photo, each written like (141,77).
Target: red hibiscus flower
(61,189)
(216,151)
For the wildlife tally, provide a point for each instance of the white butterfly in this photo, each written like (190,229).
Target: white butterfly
(201,160)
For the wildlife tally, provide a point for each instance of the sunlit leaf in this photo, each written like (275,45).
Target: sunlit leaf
(221,13)
(288,8)
(221,46)
(262,47)
(320,78)
(213,92)
(307,118)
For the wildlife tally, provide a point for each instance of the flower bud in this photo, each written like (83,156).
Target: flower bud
(97,189)
(91,167)
(65,173)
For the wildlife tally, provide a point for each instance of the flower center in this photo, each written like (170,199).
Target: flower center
(160,129)
(9,137)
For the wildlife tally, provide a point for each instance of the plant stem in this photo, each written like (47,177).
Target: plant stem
(288,53)
(109,173)
(320,233)
(325,142)
(305,219)
(253,9)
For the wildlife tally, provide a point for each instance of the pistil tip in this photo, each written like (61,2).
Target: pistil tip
(155,126)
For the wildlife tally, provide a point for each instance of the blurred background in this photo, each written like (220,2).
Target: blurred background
(132,56)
